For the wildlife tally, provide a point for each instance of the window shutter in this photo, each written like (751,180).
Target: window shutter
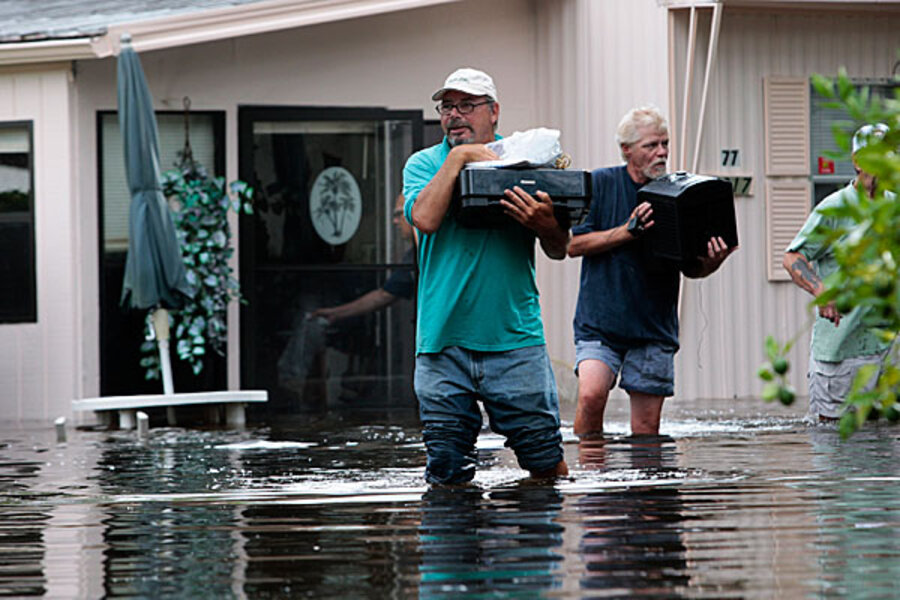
(788,190)
(787,206)
(787,126)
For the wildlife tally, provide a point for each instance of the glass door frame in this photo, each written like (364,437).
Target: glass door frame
(248,115)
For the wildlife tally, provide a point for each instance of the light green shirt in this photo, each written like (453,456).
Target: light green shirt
(851,338)
(476,286)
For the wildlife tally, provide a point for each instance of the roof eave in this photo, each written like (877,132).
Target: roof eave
(46,51)
(204,26)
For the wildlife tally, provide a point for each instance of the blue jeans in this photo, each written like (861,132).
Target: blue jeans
(518,391)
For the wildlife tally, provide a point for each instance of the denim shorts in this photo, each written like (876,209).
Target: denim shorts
(518,391)
(648,369)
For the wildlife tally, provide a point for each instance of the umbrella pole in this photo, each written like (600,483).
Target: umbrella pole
(161,327)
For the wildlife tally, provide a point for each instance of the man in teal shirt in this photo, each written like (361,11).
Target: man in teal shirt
(841,343)
(479,330)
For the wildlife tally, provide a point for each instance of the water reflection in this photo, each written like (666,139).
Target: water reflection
(858,512)
(632,542)
(21,528)
(502,543)
(729,507)
(156,549)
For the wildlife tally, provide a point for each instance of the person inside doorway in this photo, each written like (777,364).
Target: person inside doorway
(320,331)
(399,284)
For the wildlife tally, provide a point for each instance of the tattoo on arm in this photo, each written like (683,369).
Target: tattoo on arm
(806,273)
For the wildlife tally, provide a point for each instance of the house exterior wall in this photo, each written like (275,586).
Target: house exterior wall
(569,64)
(725,318)
(39,372)
(395,60)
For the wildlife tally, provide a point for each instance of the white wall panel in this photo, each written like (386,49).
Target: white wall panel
(725,318)
(38,361)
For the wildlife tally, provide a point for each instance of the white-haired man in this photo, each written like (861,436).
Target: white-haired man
(479,332)
(626,319)
(840,343)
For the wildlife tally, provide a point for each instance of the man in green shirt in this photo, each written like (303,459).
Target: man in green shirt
(479,330)
(841,343)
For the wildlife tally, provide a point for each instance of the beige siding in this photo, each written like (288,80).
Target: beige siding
(39,368)
(726,317)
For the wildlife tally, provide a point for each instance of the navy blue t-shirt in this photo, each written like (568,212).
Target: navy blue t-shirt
(627,297)
(402,282)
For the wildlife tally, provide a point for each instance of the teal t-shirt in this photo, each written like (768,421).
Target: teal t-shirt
(851,338)
(476,286)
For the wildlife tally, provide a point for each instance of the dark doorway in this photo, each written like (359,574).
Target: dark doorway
(322,235)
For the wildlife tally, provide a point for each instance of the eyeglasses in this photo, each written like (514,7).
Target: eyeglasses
(463,108)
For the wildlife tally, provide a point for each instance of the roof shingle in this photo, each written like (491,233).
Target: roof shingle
(38,20)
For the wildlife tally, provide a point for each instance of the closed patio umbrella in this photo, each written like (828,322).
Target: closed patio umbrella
(155,275)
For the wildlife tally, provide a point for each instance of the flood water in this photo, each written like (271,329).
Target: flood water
(739,499)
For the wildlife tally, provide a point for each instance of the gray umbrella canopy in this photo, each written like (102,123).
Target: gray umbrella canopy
(154,270)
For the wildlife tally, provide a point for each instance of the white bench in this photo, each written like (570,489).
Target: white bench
(126,406)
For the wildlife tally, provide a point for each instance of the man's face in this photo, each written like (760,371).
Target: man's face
(477,127)
(868,182)
(647,157)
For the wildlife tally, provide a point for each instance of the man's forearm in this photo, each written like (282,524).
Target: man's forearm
(803,273)
(555,243)
(433,201)
(596,242)
(368,302)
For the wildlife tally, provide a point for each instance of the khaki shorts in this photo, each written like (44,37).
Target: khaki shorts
(830,382)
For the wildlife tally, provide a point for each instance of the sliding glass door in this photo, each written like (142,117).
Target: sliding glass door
(323,235)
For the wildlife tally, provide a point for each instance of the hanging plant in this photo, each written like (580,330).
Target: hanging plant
(200,205)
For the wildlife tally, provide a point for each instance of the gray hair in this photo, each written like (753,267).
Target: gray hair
(628,132)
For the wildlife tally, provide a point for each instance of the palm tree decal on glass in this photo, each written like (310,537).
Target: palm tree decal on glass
(336,200)
(335,204)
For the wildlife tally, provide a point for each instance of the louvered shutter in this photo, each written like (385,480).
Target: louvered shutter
(787,206)
(788,191)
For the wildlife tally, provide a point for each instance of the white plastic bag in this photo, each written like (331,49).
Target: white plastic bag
(532,148)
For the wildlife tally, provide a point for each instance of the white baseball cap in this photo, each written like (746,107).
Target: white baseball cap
(862,135)
(470,81)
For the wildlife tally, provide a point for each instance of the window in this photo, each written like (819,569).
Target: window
(122,331)
(827,173)
(17,269)
(800,168)
(205,134)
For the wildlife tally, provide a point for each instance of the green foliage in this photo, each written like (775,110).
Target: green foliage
(201,207)
(867,252)
(774,373)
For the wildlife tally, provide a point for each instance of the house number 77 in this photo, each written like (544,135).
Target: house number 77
(730,158)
